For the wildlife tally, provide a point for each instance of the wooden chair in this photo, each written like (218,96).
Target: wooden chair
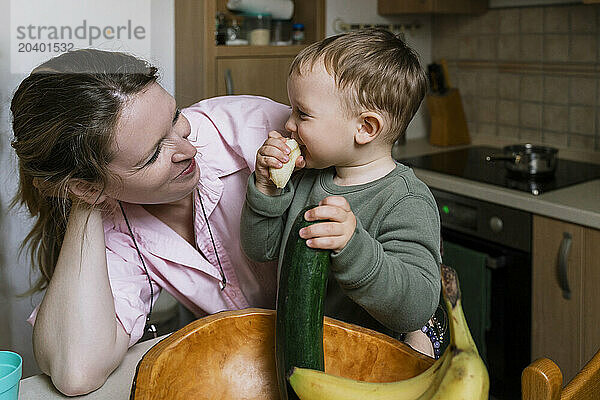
(542,380)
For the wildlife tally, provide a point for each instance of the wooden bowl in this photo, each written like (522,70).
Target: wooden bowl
(231,355)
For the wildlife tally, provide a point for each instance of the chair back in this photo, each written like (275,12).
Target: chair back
(542,380)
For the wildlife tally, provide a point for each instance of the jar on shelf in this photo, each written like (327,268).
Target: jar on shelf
(220,29)
(235,34)
(298,33)
(281,32)
(258,28)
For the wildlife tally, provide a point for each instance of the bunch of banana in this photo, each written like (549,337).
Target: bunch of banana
(458,374)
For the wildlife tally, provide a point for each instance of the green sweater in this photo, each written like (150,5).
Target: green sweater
(387,277)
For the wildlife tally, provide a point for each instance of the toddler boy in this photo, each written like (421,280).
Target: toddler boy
(352,96)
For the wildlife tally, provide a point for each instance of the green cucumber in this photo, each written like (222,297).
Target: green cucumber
(300,298)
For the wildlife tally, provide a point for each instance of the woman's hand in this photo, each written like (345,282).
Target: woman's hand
(272,154)
(334,234)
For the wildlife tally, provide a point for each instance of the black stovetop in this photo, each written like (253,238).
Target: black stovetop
(470,163)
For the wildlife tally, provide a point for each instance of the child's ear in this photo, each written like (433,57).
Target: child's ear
(91,193)
(370,126)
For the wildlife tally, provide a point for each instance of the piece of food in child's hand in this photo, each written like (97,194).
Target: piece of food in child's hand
(281,176)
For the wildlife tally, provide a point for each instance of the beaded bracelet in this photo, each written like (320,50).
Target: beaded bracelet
(436,332)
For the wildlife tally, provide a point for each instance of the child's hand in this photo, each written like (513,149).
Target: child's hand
(273,153)
(335,233)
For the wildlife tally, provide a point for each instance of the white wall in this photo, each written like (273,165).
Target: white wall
(15,333)
(365,12)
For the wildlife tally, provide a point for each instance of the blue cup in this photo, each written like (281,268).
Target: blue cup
(11,368)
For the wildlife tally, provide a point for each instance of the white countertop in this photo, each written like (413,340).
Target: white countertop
(579,204)
(117,386)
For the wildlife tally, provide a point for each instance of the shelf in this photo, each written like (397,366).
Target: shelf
(257,51)
(201,66)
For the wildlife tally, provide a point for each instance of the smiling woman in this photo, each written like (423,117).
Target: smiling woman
(130,195)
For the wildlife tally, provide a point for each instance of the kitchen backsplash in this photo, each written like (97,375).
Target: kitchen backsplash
(532,74)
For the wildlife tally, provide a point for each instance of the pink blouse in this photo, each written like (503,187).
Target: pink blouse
(227,132)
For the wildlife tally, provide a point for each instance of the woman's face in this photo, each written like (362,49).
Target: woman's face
(154,159)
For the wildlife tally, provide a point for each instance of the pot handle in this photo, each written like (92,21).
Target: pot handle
(563,261)
(500,158)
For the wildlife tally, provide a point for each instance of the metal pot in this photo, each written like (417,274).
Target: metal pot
(528,160)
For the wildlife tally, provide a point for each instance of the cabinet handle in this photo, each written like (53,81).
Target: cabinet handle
(228,82)
(563,261)
(495,262)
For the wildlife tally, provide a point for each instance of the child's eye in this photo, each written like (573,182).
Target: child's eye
(302,114)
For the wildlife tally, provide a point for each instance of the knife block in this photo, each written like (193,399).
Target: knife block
(448,122)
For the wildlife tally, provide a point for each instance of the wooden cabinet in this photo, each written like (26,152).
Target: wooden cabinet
(391,7)
(264,76)
(565,329)
(203,69)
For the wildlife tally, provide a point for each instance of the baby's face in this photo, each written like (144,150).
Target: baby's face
(318,122)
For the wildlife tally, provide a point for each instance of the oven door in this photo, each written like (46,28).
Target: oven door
(495,282)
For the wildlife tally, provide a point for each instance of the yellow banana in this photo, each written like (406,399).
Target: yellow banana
(281,176)
(310,384)
(458,374)
(467,376)
(435,384)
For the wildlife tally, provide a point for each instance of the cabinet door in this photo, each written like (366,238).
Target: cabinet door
(259,76)
(591,299)
(557,321)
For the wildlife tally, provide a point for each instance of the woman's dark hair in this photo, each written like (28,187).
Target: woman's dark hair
(64,115)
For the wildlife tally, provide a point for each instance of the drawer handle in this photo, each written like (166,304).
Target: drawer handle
(495,262)
(228,82)
(563,261)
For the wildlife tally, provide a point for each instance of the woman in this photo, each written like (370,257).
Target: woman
(130,196)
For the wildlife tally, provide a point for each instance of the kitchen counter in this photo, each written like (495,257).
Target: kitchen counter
(578,204)
(116,387)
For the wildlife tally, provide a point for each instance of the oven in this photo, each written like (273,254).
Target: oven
(490,246)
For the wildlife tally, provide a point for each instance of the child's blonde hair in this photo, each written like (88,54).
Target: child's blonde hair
(375,69)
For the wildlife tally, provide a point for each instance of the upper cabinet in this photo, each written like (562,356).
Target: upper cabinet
(391,7)
(203,69)
(528,3)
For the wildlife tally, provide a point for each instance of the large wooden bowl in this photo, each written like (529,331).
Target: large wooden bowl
(231,355)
